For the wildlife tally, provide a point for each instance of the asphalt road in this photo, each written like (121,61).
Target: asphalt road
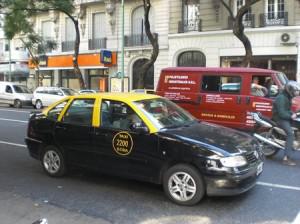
(27,193)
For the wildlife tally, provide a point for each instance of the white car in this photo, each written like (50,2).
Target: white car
(147,91)
(14,94)
(87,91)
(45,96)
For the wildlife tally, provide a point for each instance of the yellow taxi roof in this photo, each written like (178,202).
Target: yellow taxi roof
(125,97)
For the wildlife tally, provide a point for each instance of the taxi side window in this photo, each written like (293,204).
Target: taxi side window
(55,111)
(117,115)
(80,112)
(221,84)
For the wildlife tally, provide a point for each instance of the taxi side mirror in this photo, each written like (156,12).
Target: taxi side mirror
(140,128)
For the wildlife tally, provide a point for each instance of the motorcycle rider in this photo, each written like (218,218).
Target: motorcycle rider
(283,115)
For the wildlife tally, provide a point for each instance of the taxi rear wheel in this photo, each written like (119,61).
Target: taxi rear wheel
(183,184)
(53,161)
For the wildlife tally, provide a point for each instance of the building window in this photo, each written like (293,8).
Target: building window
(275,9)
(191,15)
(191,59)
(69,79)
(47,33)
(138,35)
(240,4)
(70,35)
(98,40)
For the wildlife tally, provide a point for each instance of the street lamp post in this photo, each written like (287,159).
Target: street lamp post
(9,61)
(122,55)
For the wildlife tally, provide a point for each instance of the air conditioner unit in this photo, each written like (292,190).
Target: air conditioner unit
(288,39)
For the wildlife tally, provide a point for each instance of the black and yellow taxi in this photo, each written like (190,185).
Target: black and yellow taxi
(144,137)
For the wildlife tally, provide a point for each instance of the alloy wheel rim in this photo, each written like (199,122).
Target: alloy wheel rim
(51,161)
(182,186)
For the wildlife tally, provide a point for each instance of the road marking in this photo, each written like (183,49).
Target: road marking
(14,144)
(4,119)
(18,111)
(297,219)
(278,186)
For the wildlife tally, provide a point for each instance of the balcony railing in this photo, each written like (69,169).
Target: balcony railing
(248,21)
(189,25)
(97,43)
(274,19)
(67,46)
(137,40)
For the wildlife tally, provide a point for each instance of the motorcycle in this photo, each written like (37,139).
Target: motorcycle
(271,137)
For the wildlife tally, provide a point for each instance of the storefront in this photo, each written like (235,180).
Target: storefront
(286,64)
(95,69)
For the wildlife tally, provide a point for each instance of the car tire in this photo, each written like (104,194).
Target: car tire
(17,103)
(38,104)
(183,184)
(53,161)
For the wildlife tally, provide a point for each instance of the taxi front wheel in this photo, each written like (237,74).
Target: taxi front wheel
(53,161)
(183,184)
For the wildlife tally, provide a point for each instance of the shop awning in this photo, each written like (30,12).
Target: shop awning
(70,68)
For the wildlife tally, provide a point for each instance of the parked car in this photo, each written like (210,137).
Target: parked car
(148,91)
(14,94)
(45,96)
(223,96)
(144,137)
(85,91)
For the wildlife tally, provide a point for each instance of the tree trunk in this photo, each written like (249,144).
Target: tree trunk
(154,42)
(77,71)
(238,28)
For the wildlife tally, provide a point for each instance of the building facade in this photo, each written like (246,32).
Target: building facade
(190,33)
(200,34)
(13,59)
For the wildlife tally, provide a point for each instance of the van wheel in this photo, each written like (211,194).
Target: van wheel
(53,161)
(17,104)
(184,185)
(38,104)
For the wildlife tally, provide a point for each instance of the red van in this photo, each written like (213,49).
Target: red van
(224,96)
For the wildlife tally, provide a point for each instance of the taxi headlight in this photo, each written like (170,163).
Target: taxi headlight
(233,161)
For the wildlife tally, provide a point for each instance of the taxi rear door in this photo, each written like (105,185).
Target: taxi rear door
(74,132)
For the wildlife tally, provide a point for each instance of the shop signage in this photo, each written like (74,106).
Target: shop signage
(116,84)
(43,61)
(106,57)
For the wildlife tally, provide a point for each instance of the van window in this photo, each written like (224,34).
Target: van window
(8,89)
(221,84)
(21,89)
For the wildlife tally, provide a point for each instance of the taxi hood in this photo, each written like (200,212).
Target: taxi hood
(213,137)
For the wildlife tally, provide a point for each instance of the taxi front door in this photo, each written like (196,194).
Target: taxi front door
(119,149)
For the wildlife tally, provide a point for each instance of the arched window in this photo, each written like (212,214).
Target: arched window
(138,21)
(149,80)
(191,59)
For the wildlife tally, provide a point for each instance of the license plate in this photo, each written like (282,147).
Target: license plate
(259,169)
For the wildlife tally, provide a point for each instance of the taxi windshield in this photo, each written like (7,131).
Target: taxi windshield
(164,113)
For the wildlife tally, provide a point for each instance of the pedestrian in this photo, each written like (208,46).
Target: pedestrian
(283,115)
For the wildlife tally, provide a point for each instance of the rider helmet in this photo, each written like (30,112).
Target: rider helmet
(292,88)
